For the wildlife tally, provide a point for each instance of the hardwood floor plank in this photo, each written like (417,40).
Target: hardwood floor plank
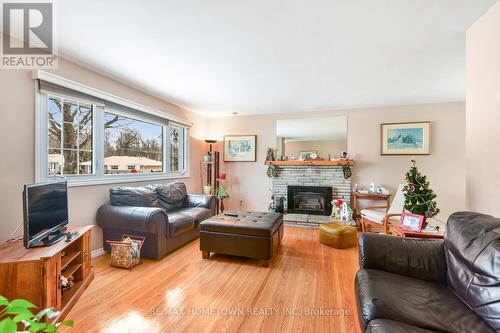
(185,293)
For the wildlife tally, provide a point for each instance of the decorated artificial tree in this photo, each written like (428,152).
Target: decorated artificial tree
(419,197)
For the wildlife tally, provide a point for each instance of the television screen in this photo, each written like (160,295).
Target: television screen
(45,210)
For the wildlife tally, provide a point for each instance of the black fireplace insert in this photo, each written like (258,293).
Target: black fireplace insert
(315,200)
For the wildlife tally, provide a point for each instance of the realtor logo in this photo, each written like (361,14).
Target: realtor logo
(28,39)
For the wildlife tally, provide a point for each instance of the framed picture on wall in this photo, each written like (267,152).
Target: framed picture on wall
(240,148)
(305,155)
(405,138)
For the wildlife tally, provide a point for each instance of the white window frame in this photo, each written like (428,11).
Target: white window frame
(185,150)
(99,176)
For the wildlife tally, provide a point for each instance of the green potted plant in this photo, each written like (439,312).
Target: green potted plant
(221,192)
(17,313)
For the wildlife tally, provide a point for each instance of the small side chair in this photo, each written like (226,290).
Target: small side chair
(379,218)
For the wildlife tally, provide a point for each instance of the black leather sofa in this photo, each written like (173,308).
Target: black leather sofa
(419,285)
(166,215)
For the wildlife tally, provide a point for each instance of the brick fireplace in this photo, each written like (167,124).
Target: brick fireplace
(312,182)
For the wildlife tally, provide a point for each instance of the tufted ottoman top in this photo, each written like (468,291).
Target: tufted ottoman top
(261,224)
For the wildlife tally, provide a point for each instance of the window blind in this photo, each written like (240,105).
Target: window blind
(51,88)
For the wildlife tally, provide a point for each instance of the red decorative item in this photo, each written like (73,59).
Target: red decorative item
(412,222)
(221,176)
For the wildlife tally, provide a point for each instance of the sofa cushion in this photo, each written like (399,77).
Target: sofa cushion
(472,244)
(391,326)
(425,304)
(133,196)
(171,196)
(179,223)
(197,213)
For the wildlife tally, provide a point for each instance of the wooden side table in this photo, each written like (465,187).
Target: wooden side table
(398,231)
(369,196)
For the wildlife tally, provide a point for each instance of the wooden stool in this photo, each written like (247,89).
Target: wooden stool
(338,235)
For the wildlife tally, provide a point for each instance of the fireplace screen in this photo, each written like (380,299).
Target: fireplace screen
(309,200)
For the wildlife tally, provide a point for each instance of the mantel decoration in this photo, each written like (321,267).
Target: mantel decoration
(240,148)
(271,171)
(346,170)
(419,197)
(271,154)
(405,138)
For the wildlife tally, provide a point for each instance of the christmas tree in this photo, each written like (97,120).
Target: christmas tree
(419,197)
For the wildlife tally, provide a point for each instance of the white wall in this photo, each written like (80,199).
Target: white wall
(483,113)
(445,167)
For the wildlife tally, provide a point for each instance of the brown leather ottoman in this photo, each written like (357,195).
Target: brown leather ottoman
(338,235)
(251,234)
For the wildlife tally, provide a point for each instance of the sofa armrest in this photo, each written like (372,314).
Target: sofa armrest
(149,220)
(201,200)
(422,259)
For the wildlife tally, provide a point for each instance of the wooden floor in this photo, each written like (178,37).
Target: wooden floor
(309,287)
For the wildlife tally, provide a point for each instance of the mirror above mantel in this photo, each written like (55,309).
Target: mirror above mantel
(299,138)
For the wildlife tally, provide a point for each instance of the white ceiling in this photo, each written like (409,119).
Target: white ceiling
(312,129)
(259,56)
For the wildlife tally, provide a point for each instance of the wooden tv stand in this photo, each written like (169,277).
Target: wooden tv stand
(34,273)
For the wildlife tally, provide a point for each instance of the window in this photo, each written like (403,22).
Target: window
(70,132)
(87,140)
(177,148)
(134,144)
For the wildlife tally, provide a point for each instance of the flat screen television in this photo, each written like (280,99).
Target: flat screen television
(45,213)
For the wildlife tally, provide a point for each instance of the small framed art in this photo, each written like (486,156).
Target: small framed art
(310,154)
(412,222)
(405,138)
(240,148)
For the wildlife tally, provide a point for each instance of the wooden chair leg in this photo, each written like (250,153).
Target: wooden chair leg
(205,254)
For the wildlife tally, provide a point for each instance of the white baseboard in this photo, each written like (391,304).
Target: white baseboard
(97,253)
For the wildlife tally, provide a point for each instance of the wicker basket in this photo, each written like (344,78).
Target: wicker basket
(126,253)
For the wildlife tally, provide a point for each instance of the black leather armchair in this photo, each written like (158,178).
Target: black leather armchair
(421,285)
(171,220)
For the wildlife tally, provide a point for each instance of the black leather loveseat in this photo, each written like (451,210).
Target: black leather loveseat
(418,285)
(166,215)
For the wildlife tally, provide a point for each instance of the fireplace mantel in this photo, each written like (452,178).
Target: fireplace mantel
(312,163)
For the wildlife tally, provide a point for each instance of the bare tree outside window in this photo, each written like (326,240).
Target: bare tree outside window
(131,146)
(70,137)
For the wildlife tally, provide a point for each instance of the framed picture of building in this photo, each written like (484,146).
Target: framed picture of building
(240,148)
(405,138)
